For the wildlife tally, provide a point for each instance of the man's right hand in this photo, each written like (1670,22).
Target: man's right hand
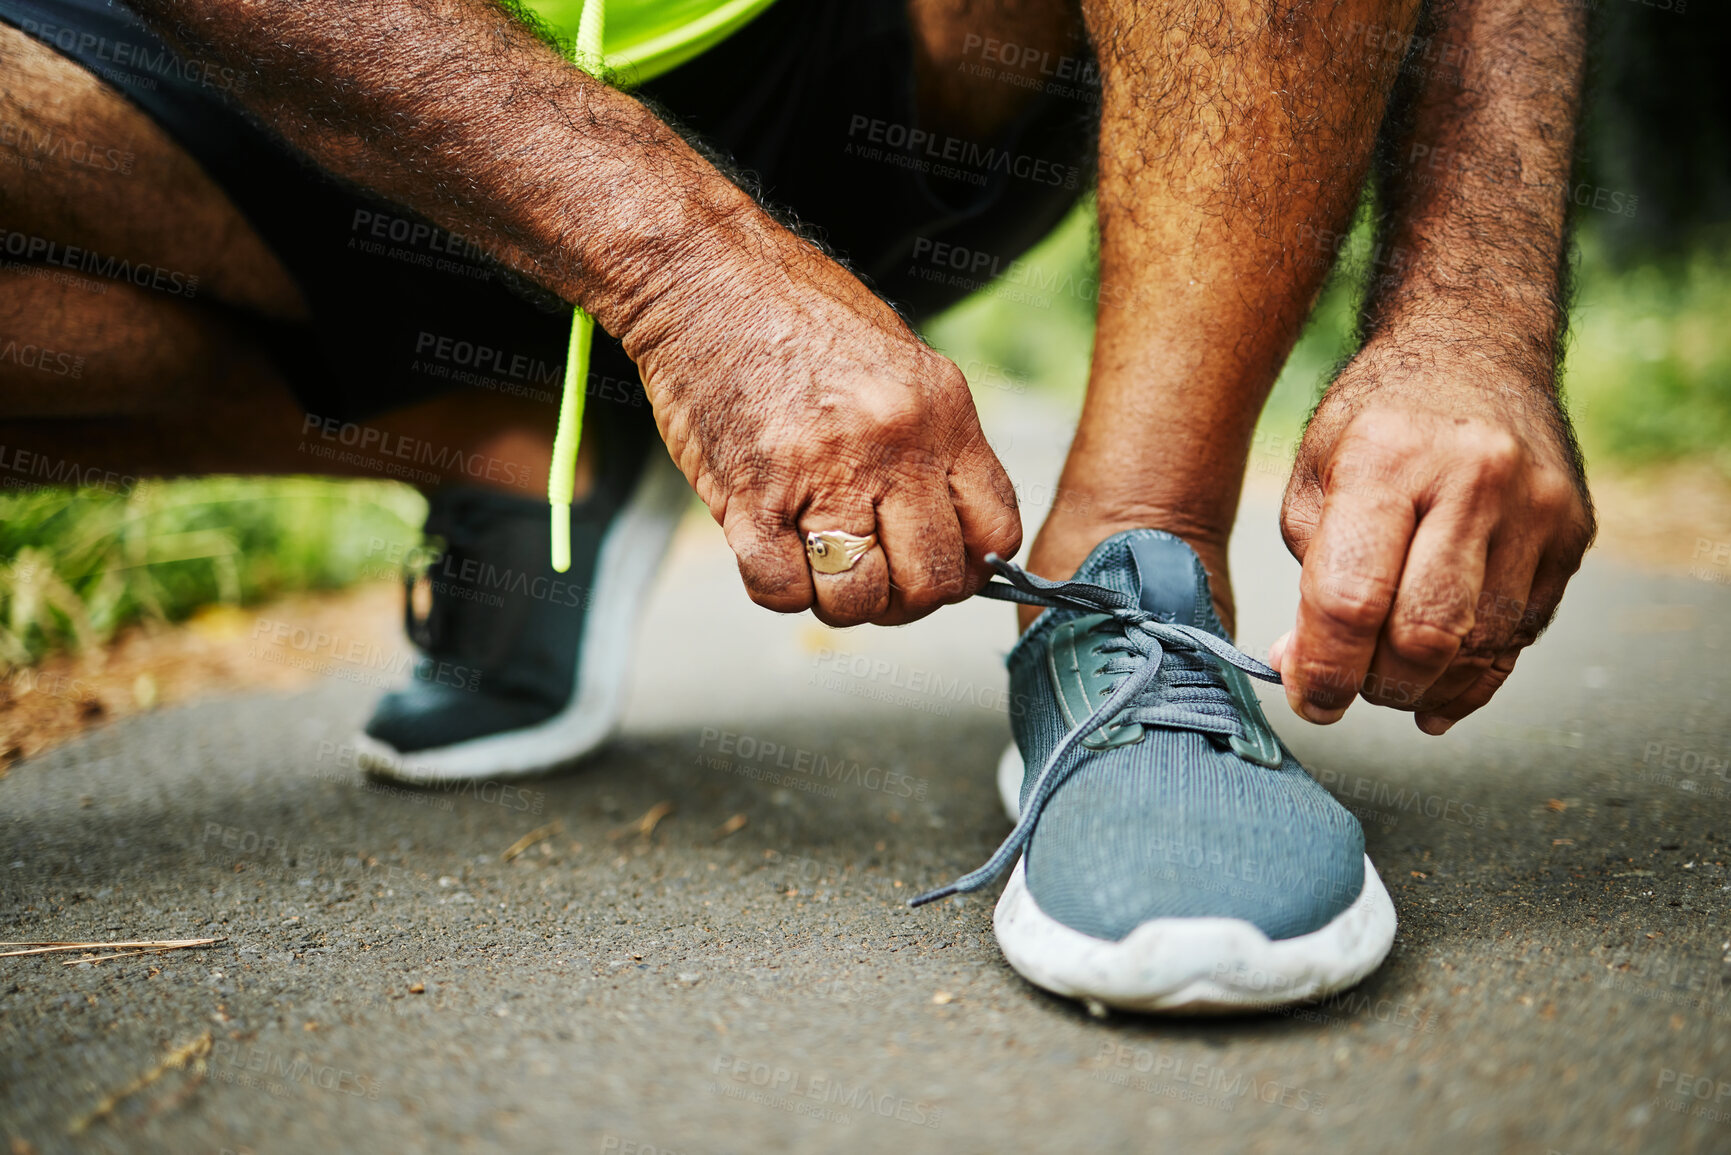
(796,401)
(792,397)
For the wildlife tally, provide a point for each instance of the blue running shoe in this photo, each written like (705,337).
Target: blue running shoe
(1170,853)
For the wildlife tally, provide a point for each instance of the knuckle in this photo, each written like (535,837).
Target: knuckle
(1361,463)
(1356,607)
(1383,690)
(1424,643)
(1497,453)
(934,581)
(1377,435)
(1323,683)
(1473,658)
(891,413)
(779,597)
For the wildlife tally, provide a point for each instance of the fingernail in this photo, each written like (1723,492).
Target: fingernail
(1321,716)
(1434,726)
(1278,650)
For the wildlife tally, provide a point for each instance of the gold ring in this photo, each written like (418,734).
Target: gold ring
(832,551)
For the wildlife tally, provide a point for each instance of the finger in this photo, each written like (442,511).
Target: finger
(1501,607)
(862,592)
(770,553)
(1435,608)
(1489,681)
(1351,570)
(985,507)
(1454,698)
(1300,508)
(922,541)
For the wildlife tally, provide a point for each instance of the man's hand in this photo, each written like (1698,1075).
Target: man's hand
(795,400)
(1438,516)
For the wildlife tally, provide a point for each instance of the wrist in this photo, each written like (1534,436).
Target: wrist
(1462,338)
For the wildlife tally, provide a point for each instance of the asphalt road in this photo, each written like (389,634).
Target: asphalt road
(390,982)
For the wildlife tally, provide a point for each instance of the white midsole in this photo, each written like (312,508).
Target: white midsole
(1189,965)
(631,552)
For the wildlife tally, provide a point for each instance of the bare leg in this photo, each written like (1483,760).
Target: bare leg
(143,383)
(1231,134)
(959,96)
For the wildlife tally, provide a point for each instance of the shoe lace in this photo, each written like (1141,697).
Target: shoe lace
(1139,646)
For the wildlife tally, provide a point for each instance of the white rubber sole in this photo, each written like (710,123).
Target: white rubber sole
(631,552)
(1188,965)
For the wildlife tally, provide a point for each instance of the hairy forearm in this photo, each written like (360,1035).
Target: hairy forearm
(454,109)
(1474,173)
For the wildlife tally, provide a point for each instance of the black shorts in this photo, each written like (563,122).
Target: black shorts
(814,100)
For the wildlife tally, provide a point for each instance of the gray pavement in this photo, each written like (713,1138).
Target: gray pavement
(390,982)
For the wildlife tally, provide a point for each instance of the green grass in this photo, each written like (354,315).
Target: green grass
(78,565)
(1648,380)
(1649,368)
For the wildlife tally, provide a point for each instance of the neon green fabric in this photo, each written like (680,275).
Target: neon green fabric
(645,38)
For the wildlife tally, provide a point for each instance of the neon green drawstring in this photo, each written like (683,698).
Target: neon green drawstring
(562,478)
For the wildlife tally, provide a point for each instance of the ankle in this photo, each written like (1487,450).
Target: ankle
(1062,547)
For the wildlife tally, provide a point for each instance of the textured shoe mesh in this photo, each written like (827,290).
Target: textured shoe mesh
(1175,825)
(499,643)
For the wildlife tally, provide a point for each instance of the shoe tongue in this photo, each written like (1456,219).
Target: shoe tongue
(1160,571)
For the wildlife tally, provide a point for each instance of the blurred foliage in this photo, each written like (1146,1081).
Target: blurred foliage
(1647,379)
(1658,126)
(77,565)
(1649,369)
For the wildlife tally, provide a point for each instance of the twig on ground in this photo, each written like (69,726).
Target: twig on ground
(177,1059)
(539,834)
(142,946)
(646,825)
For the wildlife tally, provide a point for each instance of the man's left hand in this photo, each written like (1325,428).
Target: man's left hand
(1438,513)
